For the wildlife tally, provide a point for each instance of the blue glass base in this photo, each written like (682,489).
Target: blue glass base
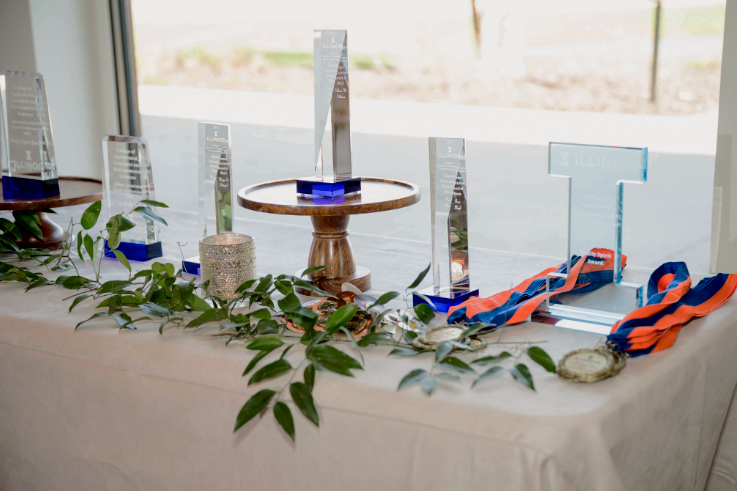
(191,265)
(22,188)
(314,186)
(443,302)
(136,251)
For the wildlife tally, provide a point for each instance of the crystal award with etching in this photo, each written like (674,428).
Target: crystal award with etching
(128,180)
(333,171)
(26,143)
(596,176)
(215,204)
(449,225)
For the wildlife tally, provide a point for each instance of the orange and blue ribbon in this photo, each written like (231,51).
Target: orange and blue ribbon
(671,302)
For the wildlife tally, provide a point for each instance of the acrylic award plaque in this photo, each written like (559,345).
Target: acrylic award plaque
(215,201)
(128,180)
(333,172)
(26,143)
(449,225)
(596,176)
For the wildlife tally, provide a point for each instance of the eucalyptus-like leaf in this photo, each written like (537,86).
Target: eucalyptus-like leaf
(419,278)
(424,313)
(80,243)
(113,241)
(268,343)
(284,417)
(289,302)
(89,246)
(409,336)
(302,397)
(488,373)
(157,204)
(404,352)
(270,371)
(340,318)
(208,316)
(122,259)
(267,325)
(333,359)
(114,286)
(384,299)
(427,300)
(309,376)
(94,316)
(457,364)
(355,343)
(254,361)
(39,282)
(10,228)
(90,215)
(540,357)
(309,286)
(261,314)
(125,223)
(153,309)
(284,287)
(253,406)
(245,286)
(378,319)
(149,214)
(522,374)
(428,385)
(28,221)
(78,300)
(311,270)
(264,284)
(451,376)
(488,360)
(10,245)
(95,255)
(413,377)
(443,350)
(74,282)
(372,338)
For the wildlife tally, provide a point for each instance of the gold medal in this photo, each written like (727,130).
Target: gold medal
(590,365)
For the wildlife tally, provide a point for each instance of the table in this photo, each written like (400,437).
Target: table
(102,409)
(72,191)
(330,244)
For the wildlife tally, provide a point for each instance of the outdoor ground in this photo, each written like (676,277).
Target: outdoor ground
(596,61)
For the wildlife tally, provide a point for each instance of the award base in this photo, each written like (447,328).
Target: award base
(136,251)
(191,265)
(20,187)
(444,300)
(329,188)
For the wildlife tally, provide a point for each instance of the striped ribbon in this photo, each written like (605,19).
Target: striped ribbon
(671,302)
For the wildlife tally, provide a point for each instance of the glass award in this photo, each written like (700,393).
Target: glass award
(333,172)
(449,226)
(128,180)
(215,196)
(26,143)
(596,177)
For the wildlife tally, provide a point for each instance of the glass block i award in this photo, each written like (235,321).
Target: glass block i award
(449,225)
(128,180)
(26,143)
(333,171)
(215,202)
(596,177)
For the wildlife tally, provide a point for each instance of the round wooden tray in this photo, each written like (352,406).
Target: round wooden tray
(280,197)
(330,244)
(72,191)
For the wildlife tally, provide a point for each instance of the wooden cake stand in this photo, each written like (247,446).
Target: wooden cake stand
(330,244)
(72,191)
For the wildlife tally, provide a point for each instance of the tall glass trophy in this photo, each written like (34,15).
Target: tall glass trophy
(449,225)
(333,172)
(128,180)
(26,143)
(596,176)
(215,204)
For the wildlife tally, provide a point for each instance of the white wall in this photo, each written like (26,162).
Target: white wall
(724,235)
(73,50)
(16,37)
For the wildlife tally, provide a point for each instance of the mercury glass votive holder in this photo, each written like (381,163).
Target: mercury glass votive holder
(227,260)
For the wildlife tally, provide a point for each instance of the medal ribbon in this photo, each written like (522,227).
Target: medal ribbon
(671,302)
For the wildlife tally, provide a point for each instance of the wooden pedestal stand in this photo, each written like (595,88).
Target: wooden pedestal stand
(330,244)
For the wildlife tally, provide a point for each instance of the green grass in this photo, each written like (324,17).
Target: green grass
(299,58)
(200,54)
(692,22)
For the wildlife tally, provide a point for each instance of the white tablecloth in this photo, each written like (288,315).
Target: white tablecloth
(101,409)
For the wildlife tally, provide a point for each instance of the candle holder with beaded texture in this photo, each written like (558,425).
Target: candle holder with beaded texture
(227,260)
